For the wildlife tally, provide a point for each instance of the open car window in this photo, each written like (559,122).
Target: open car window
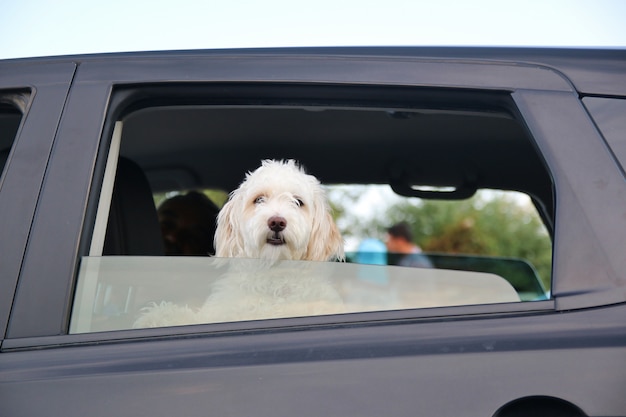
(446,165)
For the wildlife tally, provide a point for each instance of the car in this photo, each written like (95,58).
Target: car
(90,146)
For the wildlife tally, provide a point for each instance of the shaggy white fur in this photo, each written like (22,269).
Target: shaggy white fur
(279,213)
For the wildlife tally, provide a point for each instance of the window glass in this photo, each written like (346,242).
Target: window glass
(136,292)
(409,208)
(10,118)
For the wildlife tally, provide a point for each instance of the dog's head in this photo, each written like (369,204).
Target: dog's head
(278,212)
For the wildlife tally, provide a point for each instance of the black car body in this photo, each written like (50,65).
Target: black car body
(546,122)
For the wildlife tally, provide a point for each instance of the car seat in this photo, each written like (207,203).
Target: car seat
(133,226)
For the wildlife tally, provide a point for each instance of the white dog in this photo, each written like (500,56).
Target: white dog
(278,214)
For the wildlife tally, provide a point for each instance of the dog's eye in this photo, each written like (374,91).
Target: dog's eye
(260,199)
(298,202)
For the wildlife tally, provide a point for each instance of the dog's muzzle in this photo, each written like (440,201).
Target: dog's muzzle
(276,239)
(276,224)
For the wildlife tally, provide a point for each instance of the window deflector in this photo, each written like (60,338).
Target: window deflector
(104,204)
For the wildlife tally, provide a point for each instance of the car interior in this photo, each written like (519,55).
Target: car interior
(429,144)
(398,136)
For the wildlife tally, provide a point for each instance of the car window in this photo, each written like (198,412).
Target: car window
(10,118)
(351,176)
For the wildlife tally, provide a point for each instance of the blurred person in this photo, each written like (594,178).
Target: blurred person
(400,241)
(188,224)
(372,251)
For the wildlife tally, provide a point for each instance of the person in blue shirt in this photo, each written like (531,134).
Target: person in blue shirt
(400,242)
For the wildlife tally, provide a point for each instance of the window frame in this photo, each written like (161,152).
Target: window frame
(39,92)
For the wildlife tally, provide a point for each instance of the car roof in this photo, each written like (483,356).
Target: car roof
(591,70)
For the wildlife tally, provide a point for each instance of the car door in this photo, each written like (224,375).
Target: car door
(443,361)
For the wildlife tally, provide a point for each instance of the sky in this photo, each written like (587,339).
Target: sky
(42,27)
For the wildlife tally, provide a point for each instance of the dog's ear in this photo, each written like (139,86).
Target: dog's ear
(326,243)
(228,242)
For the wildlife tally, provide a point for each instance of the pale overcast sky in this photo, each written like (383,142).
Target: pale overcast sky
(44,27)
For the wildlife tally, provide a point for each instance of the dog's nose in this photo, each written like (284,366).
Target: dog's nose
(277,223)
